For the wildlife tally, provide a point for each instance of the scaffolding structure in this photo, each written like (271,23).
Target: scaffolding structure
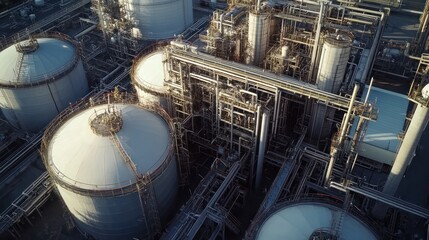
(208,212)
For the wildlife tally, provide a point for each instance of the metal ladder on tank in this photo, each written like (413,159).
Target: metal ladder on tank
(337,223)
(147,197)
(146,193)
(182,152)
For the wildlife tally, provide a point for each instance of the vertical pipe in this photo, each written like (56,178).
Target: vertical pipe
(255,140)
(276,120)
(261,150)
(231,135)
(404,156)
(316,39)
(369,90)
(217,110)
(276,109)
(344,127)
(374,47)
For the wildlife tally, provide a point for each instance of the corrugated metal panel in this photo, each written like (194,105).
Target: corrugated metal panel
(383,133)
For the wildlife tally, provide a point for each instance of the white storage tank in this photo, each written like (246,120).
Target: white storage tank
(39,3)
(330,76)
(148,74)
(333,62)
(258,36)
(98,156)
(159,19)
(38,79)
(310,220)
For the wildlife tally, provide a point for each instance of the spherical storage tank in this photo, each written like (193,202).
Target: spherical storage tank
(38,79)
(159,19)
(310,220)
(148,76)
(97,157)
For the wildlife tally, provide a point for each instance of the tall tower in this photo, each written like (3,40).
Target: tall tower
(418,94)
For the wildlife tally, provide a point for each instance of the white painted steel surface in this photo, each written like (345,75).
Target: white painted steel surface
(405,155)
(333,63)
(332,68)
(299,221)
(149,78)
(160,19)
(381,141)
(39,3)
(36,86)
(92,163)
(259,27)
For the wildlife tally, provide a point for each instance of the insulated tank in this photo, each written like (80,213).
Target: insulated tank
(148,76)
(310,220)
(159,19)
(333,62)
(332,69)
(39,3)
(259,27)
(113,166)
(38,79)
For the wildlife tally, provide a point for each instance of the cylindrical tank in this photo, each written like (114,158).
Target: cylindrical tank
(38,79)
(148,76)
(310,220)
(285,50)
(332,68)
(406,151)
(160,19)
(333,62)
(39,3)
(97,155)
(259,26)
(32,17)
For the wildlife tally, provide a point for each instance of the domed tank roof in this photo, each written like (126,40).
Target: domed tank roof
(304,220)
(33,61)
(85,159)
(149,71)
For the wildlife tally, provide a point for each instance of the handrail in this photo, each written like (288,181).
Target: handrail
(267,80)
(105,190)
(43,22)
(47,77)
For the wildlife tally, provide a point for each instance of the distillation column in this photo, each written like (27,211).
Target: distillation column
(259,27)
(406,151)
(333,65)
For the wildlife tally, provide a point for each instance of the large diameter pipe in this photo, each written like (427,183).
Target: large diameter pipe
(261,151)
(343,130)
(89,29)
(374,47)
(316,39)
(404,156)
